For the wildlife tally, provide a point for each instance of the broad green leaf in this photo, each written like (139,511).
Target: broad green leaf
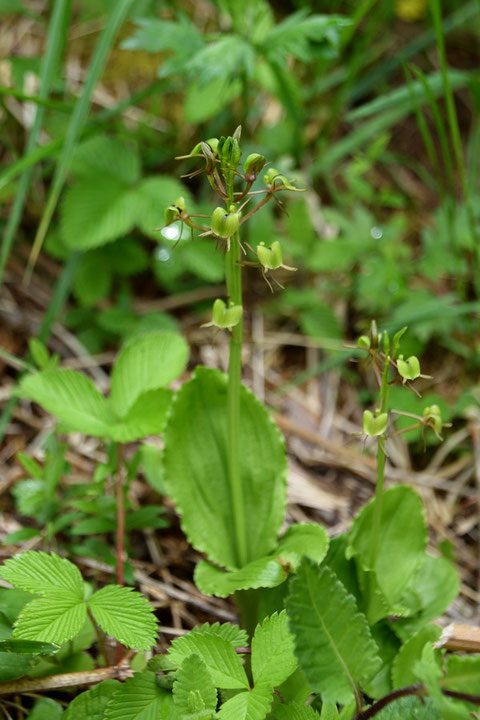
(146,363)
(273,651)
(14,666)
(223,663)
(146,417)
(462,674)
(233,634)
(334,646)
(409,653)
(43,574)
(296,34)
(304,540)
(329,712)
(102,155)
(20,536)
(298,711)
(410,707)
(139,698)
(401,543)
(11,602)
(55,618)
(93,279)
(250,705)
(264,572)
(28,647)
(205,101)
(126,615)
(96,212)
(92,703)
(193,689)
(72,397)
(428,671)
(196,473)
(436,584)
(46,709)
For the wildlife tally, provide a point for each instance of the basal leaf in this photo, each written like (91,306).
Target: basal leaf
(304,540)
(55,618)
(223,664)
(298,711)
(334,646)
(139,698)
(92,703)
(273,651)
(250,705)
(233,634)
(94,213)
(401,544)
(196,473)
(126,615)
(410,653)
(264,572)
(193,689)
(102,155)
(71,397)
(43,574)
(145,364)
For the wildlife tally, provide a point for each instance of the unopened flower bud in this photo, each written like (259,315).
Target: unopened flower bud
(253,166)
(211,142)
(270,257)
(229,152)
(433,414)
(225,224)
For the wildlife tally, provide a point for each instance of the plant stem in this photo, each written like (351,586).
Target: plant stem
(233,276)
(120,540)
(100,638)
(381,456)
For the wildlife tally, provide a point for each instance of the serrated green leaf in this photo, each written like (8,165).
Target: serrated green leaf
(146,417)
(147,363)
(92,703)
(409,653)
(428,671)
(223,664)
(298,711)
(28,647)
(193,689)
(14,666)
(273,651)
(261,573)
(102,155)
(233,634)
(251,705)
(462,674)
(304,540)
(72,397)
(46,709)
(334,646)
(410,707)
(296,34)
(196,473)
(43,574)
(126,615)
(401,542)
(139,698)
(55,618)
(95,213)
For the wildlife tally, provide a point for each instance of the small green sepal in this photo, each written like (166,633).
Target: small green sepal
(229,152)
(374,425)
(408,369)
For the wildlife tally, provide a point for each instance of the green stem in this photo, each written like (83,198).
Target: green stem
(233,275)
(381,456)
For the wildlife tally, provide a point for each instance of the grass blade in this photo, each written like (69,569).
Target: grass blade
(77,122)
(55,44)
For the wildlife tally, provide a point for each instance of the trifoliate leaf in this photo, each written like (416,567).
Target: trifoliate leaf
(139,698)
(251,705)
(264,572)
(147,363)
(401,542)
(196,471)
(334,646)
(55,618)
(193,689)
(297,711)
(233,634)
(125,615)
(43,574)
(273,651)
(92,703)
(72,397)
(223,664)
(146,417)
